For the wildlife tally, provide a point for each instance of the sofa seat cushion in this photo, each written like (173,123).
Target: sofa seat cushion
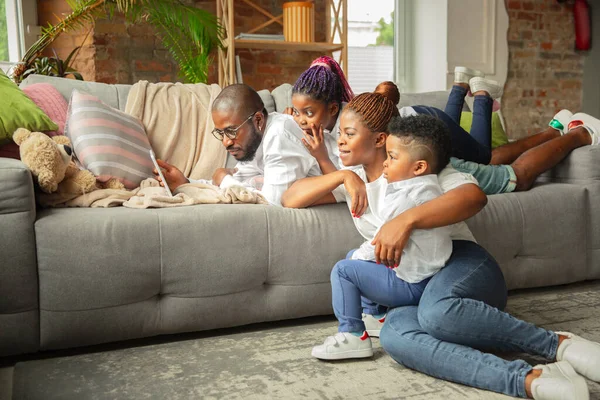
(174,270)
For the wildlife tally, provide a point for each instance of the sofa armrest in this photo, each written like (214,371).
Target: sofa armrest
(582,166)
(19,309)
(16,188)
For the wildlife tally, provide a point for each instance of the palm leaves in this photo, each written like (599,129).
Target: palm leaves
(188,33)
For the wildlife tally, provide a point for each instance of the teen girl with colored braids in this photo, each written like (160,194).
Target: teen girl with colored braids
(318,97)
(460,309)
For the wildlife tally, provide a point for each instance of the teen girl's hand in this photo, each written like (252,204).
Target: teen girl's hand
(315,143)
(358,192)
(391,239)
(172,174)
(288,111)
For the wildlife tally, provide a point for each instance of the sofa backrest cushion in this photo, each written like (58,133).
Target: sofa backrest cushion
(268,100)
(282,95)
(112,95)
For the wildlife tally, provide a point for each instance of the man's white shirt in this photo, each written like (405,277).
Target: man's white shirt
(281,159)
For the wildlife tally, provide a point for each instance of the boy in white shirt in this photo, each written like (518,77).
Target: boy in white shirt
(417,149)
(412,182)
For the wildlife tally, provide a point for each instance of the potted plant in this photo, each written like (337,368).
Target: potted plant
(54,66)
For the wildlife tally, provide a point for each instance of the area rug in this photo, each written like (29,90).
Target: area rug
(272,361)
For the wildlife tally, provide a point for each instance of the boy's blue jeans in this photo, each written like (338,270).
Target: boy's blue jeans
(363,286)
(459,312)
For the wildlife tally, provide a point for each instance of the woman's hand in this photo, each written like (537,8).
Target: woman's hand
(172,174)
(358,192)
(315,143)
(391,239)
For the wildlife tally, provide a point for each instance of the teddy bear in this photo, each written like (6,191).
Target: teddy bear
(50,161)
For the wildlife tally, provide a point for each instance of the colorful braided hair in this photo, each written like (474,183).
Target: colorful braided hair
(324,81)
(375,109)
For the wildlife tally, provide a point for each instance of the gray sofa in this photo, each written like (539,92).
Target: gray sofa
(73,277)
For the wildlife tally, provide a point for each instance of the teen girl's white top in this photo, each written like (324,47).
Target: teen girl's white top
(331,137)
(427,250)
(372,220)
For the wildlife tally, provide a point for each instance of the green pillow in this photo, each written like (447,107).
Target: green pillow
(498,135)
(19,111)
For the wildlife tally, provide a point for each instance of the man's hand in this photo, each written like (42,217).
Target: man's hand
(221,173)
(391,239)
(315,143)
(358,192)
(173,176)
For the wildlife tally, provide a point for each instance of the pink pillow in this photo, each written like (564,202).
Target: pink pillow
(52,103)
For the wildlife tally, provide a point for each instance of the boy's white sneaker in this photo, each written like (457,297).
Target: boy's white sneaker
(559,381)
(561,120)
(373,325)
(591,124)
(492,87)
(582,354)
(344,345)
(464,74)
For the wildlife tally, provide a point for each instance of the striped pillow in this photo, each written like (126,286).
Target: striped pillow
(108,142)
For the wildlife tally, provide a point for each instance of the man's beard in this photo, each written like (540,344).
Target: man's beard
(252,146)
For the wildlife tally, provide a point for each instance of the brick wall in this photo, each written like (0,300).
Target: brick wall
(51,11)
(545,74)
(118,52)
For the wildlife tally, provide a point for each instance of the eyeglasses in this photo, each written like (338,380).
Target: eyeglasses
(231,133)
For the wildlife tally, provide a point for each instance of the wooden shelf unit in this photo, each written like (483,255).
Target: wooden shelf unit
(226,55)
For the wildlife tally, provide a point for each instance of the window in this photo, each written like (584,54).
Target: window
(18,30)
(3,32)
(370,43)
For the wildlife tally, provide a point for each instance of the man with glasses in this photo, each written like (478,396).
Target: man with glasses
(268,147)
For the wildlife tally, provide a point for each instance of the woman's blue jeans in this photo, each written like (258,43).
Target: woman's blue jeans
(461,311)
(476,146)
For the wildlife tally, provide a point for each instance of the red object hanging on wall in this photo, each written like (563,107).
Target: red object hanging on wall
(583,25)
